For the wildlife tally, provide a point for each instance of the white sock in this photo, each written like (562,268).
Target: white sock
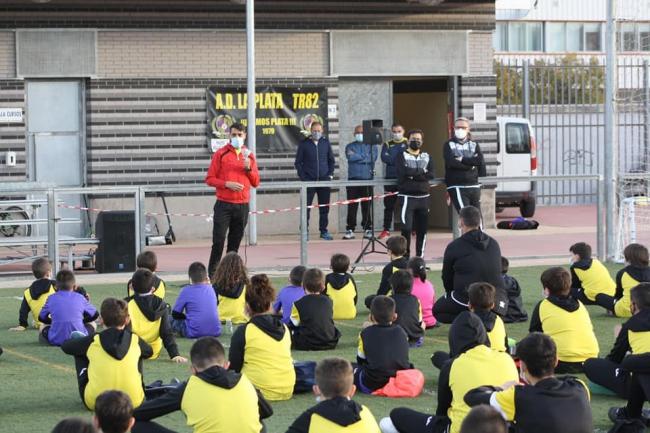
(387,426)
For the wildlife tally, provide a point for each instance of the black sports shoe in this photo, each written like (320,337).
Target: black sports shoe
(616,413)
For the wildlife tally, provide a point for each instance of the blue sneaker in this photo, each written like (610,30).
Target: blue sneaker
(326,236)
(77,334)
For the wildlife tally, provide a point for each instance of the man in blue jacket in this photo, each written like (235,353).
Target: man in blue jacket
(361,164)
(315,162)
(389,151)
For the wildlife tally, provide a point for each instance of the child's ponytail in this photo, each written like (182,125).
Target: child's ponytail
(418,268)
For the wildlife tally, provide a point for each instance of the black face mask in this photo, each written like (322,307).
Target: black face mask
(414,144)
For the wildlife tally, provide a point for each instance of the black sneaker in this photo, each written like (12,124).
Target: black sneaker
(616,413)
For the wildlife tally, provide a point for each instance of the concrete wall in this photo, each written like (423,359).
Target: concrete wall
(7,54)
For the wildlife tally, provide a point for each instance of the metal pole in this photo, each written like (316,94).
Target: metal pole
(455,106)
(53,231)
(140,239)
(646,104)
(526,91)
(250,84)
(611,148)
(304,231)
(600,232)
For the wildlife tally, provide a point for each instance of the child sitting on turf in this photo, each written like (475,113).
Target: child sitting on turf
(484,419)
(335,411)
(148,260)
(396,246)
(261,349)
(544,403)
(36,294)
(423,290)
(383,347)
(474,365)
(565,320)
(407,307)
(214,399)
(229,281)
(150,316)
(341,288)
(66,313)
(113,412)
(637,271)
(516,312)
(312,325)
(290,294)
(589,277)
(112,359)
(195,311)
(633,338)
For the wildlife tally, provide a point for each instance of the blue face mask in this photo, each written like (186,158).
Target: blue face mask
(316,135)
(236,142)
(358,137)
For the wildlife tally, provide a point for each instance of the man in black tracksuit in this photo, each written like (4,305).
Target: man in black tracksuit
(414,171)
(474,257)
(463,165)
(389,151)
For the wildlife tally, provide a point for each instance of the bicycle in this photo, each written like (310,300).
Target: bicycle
(14,213)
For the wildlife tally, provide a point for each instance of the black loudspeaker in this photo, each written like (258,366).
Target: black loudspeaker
(116,233)
(372,131)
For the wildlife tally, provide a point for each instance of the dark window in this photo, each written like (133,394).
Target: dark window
(517,138)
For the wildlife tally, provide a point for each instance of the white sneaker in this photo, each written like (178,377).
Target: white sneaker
(367,234)
(349,234)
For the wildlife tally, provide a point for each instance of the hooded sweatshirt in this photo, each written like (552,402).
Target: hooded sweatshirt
(593,277)
(33,300)
(474,364)
(231,303)
(378,360)
(342,290)
(150,321)
(261,349)
(335,415)
(473,257)
(496,330)
(114,361)
(634,337)
(466,171)
(67,311)
(312,323)
(214,400)
(627,278)
(567,321)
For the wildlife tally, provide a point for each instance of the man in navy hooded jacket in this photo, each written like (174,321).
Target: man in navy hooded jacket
(315,162)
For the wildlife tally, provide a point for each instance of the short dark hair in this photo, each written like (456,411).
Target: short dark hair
(539,352)
(640,295)
(148,260)
(65,280)
(40,267)
(415,131)
(418,268)
(238,126)
(396,244)
(74,425)
(313,280)
(339,263)
(582,249)
(197,272)
(401,281)
(296,275)
(557,280)
(114,312)
(142,281)
(505,265)
(334,377)
(636,255)
(382,309)
(260,294)
(396,125)
(114,411)
(483,419)
(206,352)
(481,296)
(470,216)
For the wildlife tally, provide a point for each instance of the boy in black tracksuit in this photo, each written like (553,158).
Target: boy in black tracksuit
(312,316)
(335,388)
(545,403)
(414,170)
(516,312)
(396,246)
(383,348)
(407,307)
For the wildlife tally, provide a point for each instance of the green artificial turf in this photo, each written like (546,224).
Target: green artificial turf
(39,387)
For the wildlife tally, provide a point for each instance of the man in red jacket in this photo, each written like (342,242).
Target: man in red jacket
(233,171)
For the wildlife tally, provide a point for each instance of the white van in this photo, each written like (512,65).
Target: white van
(516,156)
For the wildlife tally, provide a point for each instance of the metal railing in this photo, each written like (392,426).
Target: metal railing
(139,194)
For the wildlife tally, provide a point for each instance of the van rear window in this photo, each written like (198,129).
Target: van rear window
(517,138)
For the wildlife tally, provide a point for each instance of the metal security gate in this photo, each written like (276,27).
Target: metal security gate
(565,103)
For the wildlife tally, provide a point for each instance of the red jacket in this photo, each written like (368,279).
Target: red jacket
(228,166)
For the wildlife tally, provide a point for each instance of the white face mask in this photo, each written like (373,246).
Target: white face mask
(460,134)
(236,142)
(397,136)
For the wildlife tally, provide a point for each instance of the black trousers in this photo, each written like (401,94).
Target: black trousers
(415,216)
(323,194)
(446,309)
(355,192)
(579,294)
(389,206)
(410,421)
(231,218)
(608,374)
(461,197)
(81,367)
(638,394)
(606,301)
(569,367)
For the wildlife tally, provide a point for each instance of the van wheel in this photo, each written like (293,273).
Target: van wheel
(527,207)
